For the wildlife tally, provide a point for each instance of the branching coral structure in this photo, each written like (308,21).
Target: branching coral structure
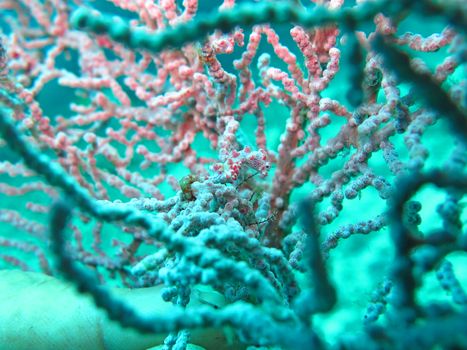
(290,174)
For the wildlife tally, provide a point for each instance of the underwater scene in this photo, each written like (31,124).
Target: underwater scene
(226,174)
